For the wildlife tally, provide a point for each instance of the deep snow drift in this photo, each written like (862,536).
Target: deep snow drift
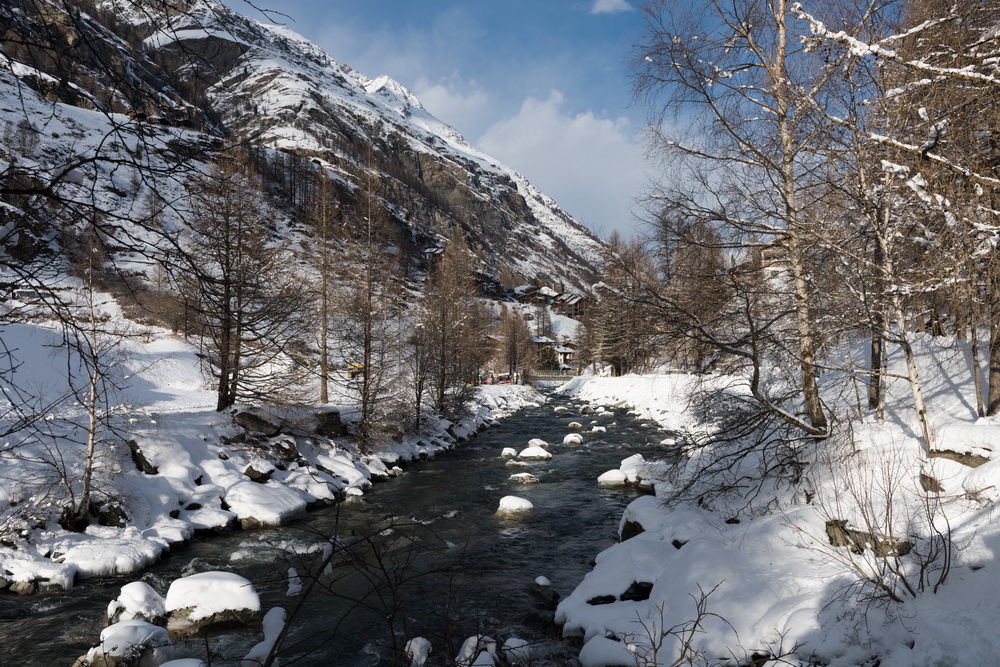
(915,581)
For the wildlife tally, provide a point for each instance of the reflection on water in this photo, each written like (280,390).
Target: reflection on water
(463,570)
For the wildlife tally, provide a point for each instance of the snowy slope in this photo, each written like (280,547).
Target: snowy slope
(282,91)
(773,588)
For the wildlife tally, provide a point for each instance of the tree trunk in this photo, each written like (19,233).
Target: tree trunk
(912,374)
(324,344)
(803,302)
(977,373)
(993,403)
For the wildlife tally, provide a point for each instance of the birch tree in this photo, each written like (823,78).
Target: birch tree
(735,75)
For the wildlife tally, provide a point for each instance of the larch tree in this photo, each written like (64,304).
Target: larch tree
(516,350)
(369,309)
(325,219)
(452,328)
(253,313)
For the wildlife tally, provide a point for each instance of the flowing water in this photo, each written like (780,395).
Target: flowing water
(464,569)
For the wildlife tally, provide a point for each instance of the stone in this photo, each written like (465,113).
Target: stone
(140,460)
(602,599)
(547,598)
(513,506)
(211,599)
(259,472)
(131,643)
(329,425)
(285,450)
(970,460)
(251,421)
(637,591)
(23,587)
(112,514)
(857,540)
(929,484)
(630,529)
(534,454)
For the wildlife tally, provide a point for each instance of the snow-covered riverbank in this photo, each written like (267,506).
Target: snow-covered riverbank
(188,468)
(865,550)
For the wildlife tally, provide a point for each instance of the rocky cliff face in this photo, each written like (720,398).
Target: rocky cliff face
(196,66)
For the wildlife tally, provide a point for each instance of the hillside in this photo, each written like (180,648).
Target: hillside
(152,89)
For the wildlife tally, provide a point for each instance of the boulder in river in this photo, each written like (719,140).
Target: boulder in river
(512,506)
(138,601)
(534,454)
(130,643)
(211,598)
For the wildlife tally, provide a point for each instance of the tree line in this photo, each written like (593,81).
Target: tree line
(829,175)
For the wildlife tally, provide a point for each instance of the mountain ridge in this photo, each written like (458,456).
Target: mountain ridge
(217,77)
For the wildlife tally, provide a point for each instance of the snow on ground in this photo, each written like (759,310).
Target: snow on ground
(761,574)
(197,475)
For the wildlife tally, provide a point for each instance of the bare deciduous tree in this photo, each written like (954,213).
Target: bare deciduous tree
(252,311)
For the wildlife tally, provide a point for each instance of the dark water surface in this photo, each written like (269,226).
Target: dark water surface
(438,515)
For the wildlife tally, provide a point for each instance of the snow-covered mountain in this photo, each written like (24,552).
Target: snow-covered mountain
(199,72)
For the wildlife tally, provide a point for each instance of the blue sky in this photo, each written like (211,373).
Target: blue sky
(538,84)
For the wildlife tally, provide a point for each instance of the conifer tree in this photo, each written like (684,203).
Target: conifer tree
(252,312)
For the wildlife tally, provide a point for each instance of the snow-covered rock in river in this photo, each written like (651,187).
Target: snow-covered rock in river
(269,504)
(573,439)
(538,442)
(612,478)
(508,453)
(477,651)
(131,642)
(635,471)
(418,649)
(208,598)
(518,651)
(138,601)
(534,454)
(514,506)
(523,478)
(575,425)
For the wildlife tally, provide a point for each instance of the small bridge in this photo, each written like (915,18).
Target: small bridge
(549,378)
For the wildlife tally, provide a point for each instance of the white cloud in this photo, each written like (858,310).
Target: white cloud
(590,165)
(609,6)
(459,102)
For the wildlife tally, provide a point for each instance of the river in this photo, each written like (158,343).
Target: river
(466,569)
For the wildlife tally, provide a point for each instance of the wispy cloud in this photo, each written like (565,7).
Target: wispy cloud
(590,165)
(460,102)
(609,6)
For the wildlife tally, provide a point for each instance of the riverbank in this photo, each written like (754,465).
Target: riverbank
(188,469)
(862,549)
